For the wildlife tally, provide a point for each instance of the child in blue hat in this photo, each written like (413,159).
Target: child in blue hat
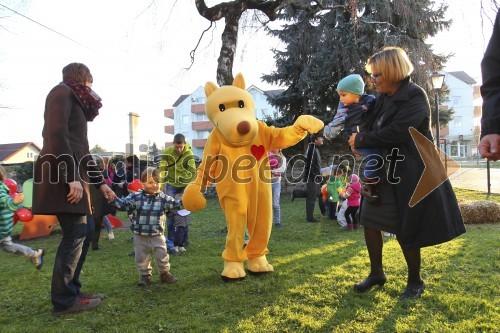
(351,117)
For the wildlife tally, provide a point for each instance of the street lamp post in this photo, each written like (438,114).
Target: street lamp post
(437,83)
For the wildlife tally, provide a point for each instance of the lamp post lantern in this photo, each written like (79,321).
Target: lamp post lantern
(437,83)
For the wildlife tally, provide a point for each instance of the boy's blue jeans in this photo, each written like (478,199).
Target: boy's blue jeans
(171,191)
(371,157)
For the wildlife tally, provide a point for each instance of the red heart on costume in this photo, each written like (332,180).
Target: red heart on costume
(257,151)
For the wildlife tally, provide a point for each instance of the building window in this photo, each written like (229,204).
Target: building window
(457,121)
(198,100)
(185,120)
(456,100)
(201,117)
(203,134)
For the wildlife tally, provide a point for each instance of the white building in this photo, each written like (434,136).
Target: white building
(188,113)
(461,135)
(14,153)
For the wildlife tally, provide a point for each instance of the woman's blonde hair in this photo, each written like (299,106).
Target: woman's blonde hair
(392,62)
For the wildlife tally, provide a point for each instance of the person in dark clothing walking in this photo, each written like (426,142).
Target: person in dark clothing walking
(313,178)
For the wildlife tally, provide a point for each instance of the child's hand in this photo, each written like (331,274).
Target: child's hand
(352,139)
(355,152)
(18,198)
(108,193)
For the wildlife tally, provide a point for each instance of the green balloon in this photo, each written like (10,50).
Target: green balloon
(28,193)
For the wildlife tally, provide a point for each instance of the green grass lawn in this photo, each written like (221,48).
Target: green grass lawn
(310,290)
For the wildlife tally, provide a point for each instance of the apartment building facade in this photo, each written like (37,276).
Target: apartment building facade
(188,114)
(460,137)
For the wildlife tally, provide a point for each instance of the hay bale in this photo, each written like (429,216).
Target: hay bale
(479,212)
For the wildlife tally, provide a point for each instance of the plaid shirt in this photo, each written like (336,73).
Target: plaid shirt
(7,209)
(150,211)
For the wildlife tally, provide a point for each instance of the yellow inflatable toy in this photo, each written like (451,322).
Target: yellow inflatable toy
(235,157)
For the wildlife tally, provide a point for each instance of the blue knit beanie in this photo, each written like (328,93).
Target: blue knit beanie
(353,84)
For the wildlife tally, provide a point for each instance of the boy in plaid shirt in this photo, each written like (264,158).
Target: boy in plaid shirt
(150,206)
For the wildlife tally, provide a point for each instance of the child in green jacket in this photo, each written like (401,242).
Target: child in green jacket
(335,182)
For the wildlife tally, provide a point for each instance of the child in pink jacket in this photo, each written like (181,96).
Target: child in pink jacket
(353,200)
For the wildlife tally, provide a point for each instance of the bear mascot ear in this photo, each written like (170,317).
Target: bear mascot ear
(210,87)
(239,81)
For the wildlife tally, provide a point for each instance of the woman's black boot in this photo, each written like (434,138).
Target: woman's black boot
(370,282)
(374,244)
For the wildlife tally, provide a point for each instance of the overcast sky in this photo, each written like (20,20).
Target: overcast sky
(137,55)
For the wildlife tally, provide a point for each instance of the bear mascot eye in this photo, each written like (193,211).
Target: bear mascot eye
(241,104)
(222,107)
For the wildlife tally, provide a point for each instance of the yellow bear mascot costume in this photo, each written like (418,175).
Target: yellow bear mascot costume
(235,157)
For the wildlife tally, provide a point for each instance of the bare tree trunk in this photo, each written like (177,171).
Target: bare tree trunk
(232,12)
(228,49)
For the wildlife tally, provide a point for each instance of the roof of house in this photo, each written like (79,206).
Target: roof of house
(268,93)
(273,93)
(462,76)
(180,99)
(9,149)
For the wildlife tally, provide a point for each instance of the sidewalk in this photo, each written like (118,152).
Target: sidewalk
(476,179)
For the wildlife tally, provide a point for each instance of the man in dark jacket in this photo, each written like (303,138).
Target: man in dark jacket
(312,176)
(489,147)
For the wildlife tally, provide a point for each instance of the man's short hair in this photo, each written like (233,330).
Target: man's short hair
(132,159)
(179,138)
(317,135)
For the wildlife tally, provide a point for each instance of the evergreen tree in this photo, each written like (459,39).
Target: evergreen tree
(153,151)
(97,149)
(337,42)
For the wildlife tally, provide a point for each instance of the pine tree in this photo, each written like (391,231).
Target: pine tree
(338,41)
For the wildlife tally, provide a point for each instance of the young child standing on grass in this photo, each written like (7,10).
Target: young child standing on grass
(353,202)
(277,162)
(182,221)
(334,183)
(150,207)
(8,205)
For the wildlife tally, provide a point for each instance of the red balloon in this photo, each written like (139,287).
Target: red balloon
(16,218)
(12,185)
(24,214)
(135,186)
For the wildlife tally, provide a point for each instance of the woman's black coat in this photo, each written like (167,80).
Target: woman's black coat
(436,218)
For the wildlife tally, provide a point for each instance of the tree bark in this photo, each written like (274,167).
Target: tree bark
(232,12)
(228,49)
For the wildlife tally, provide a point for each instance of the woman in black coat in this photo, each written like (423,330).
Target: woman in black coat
(434,219)
(63,173)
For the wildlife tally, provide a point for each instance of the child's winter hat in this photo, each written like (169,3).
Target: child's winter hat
(354,178)
(353,84)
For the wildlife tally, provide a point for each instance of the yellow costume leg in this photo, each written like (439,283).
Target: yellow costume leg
(259,229)
(234,255)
